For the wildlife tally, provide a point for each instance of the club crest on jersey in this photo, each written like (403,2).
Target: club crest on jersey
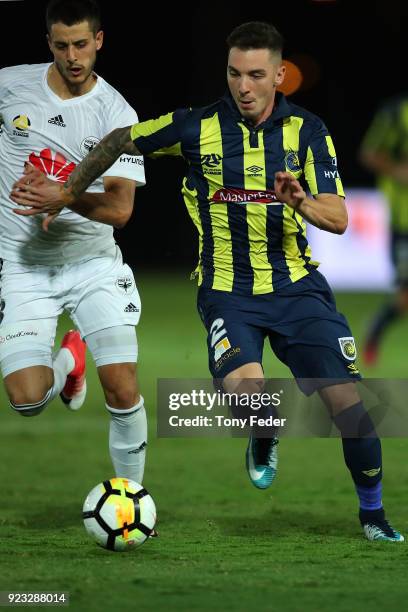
(292,162)
(348,348)
(22,123)
(125,285)
(88,144)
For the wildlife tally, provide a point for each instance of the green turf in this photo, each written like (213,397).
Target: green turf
(223,544)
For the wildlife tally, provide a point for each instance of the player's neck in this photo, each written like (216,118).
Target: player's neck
(65,90)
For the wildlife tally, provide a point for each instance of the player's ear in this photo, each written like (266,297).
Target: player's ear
(99,39)
(280,75)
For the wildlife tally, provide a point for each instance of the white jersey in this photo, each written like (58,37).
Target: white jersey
(55,135)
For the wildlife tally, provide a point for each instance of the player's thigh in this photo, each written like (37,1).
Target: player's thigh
(28,293)
(232,340)
(104,295)
(29,314)
(319,353)
(26,359)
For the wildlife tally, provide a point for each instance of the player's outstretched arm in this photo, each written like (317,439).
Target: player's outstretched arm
(326,211)
(99,160)
(41,196)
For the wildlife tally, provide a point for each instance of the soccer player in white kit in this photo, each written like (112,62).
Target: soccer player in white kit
(51,115)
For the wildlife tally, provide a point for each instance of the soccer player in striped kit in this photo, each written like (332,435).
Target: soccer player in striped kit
(250,155)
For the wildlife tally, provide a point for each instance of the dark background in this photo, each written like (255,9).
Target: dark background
(162,56)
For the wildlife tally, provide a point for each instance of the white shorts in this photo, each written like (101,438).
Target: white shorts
(98,293)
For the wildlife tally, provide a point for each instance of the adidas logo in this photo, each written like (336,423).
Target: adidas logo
(138,450)
(131,308)
(57,120)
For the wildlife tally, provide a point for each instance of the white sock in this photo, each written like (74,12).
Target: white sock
(127,441)
(63,363)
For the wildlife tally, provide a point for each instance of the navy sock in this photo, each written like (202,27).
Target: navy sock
(370,497)
(363,459)
(371,516)
(362,455)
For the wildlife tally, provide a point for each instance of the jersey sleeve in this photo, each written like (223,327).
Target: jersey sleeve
(161,136)
(126,166)
(320,169)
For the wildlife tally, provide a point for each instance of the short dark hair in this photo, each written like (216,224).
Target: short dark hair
(70,12)
(256,35)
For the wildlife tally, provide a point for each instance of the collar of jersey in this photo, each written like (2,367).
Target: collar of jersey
(69,101)
(281,110)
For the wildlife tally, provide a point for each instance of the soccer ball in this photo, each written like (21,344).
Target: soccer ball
(119,514)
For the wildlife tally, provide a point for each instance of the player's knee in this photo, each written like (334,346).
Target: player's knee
(122,397)
(245,383)
(119,382)
(25,407)
(339,398)
(26,397)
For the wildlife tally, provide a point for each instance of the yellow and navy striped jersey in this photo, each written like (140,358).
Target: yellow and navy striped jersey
(249,242)
(389,133)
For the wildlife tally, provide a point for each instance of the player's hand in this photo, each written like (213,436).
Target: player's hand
(288,189)
(40,195)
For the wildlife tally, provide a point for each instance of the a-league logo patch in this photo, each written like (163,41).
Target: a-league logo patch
(348,348)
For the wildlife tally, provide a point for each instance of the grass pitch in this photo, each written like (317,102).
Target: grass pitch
(223,544)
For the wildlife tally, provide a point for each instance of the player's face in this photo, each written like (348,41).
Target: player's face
(253,76)
(74,49)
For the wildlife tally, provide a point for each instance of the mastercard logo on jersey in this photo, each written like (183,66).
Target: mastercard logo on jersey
(53,164)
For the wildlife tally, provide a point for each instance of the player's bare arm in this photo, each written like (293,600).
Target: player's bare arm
(99,160)
(49,197)
(113,207)
(327,211)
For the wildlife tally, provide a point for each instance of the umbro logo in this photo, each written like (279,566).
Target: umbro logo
(254,169)
(131,308)
(372,473)
(57,120)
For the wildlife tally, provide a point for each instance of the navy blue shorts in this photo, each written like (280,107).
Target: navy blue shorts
(305,331)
